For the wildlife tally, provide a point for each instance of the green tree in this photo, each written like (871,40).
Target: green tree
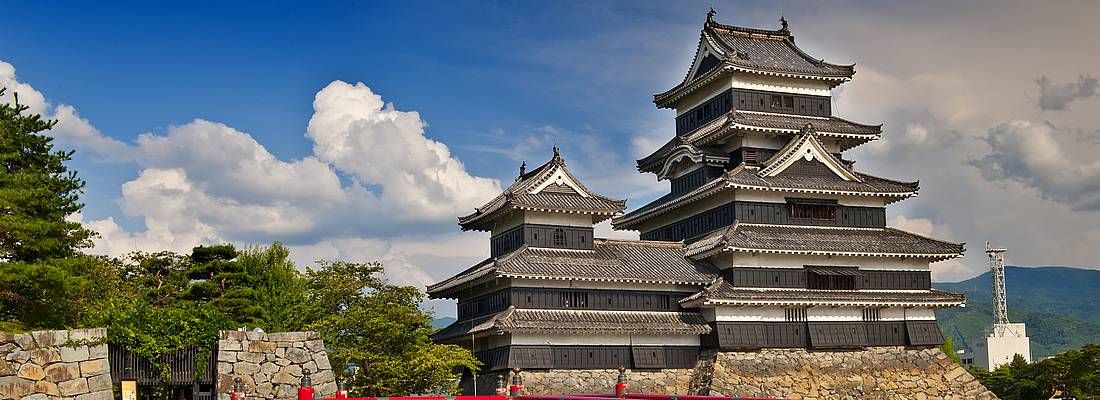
(948,347)
(379,328)
(40,261)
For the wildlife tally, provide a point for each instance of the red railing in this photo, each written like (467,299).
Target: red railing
(306,392)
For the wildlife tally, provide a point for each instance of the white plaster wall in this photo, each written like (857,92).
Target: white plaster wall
(762,140)
(548,283)
(834,314)
(744,80)
(742,259)
(780,197)
(814,314)
(545,218)
(920,314)
(604,340)
(749,314)
(703,94)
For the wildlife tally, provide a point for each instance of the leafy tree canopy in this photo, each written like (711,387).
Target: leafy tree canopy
(1078,371)
(41,268)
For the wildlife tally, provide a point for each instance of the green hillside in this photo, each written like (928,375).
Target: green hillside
(1060,305)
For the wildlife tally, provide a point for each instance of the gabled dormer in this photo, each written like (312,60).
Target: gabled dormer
(806,155)
(546,207)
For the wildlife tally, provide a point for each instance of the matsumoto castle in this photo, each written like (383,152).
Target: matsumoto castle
(769,236)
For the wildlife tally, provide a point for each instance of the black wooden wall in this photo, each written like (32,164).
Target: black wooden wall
(697,225)
(588,357)
(796,278)
(752,100)
(822,335)
(579,299)
(759,100)
(694,179)
(536,235)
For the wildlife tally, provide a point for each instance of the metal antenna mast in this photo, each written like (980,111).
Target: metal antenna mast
(997,267)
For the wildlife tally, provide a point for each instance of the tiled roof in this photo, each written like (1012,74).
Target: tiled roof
(515,320)
(612,260)
(851,133)
(747,177)
(654,162)
(768,52)
(722,292)
(800,239)
(519,196)
(871,185)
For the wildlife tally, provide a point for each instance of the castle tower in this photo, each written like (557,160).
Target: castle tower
(1003,340)
(761,189)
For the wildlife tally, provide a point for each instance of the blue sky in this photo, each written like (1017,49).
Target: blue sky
(957,86)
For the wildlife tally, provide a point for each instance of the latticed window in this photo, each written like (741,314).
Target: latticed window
(751,157)
(574,300)
(559,237)
(824,212)
(795,314)
(871,314)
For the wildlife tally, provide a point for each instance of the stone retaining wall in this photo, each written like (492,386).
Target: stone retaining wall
(271,365)
(55,364)
(874,373)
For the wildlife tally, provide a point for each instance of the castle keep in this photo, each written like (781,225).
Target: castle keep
(769,245)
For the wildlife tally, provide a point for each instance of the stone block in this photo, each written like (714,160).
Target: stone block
(8,368)
(227,356)
(74,354)
(293,370)
(47,387)
(25,341)
(8,348)
(50,338)
(61,372)
(12,387)
(230,345)
(96,333)
(265,390)
(311,366)
(245,356)
(298,356)
(269,368)
(97,395)
(78,335)
(45,356)
(261,346)
(36,396)
(327,376)
(99,382)
(6,337)
(18,356)
(94,367)
(327,389)
(253,335)
(288,336)
(97,351)
(315,345)
(73,387)
(32,372)
(322,361)
(246,368)
(282,377)
(232,335)
(225,368)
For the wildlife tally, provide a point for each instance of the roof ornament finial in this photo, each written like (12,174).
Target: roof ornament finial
(522,168)
(711,14)
(557,154)
(783,21)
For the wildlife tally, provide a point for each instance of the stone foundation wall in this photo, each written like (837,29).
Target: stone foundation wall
(874,373)
(55,364)
(271,365)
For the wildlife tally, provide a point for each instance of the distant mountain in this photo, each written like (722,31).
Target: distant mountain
(442,322)
(1060,305)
